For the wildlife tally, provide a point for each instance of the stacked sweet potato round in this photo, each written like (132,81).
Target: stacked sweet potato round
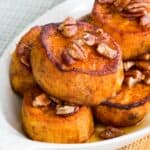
(124,26)
(71,72)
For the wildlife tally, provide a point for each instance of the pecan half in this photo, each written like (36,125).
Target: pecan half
(74,52)
(132,9)
(111,132)
(41,101)
(66,110)
(77,52)
(132,16)
(104,50)
(69,27)
(121,4)
(135,5)
(129,8)
(89,39)
(128,65)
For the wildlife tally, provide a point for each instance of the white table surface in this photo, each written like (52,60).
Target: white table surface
(16,14)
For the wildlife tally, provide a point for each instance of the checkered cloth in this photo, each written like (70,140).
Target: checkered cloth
(16,14)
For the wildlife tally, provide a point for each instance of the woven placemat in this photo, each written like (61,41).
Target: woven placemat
(141,144)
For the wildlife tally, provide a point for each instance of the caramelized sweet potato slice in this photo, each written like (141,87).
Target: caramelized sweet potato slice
(88,79)
(42,123)
(133,38)
(127,108)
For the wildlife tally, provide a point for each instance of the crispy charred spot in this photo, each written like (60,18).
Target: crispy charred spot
(51,29)
(126,106)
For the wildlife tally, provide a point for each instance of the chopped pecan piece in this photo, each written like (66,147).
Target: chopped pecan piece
(133,77)
(89,39)
(111,132)
(106,51)
(103,37)
(69,27)
(66,110)
(41,101)
(76,51)
(144,65)
(131,81)
(128,65)
(135,74)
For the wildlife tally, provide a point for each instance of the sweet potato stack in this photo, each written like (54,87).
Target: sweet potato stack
(71,72)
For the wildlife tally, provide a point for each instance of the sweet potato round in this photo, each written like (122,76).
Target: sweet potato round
(43,124)
(127,108)
(81,83)
(21,75)
(129,34)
